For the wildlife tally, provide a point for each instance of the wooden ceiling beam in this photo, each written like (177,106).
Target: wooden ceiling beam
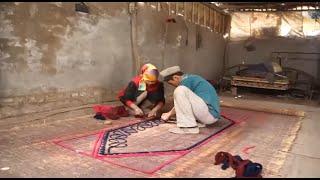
(278,6)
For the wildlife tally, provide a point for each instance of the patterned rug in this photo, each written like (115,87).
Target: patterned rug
(145,146)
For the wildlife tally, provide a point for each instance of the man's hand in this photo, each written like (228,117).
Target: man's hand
(166,116)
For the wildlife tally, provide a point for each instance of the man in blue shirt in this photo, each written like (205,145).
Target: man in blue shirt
(195,100)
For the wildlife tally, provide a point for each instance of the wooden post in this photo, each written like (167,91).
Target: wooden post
(177,4)
(184,11)
(198,20)
(222,24)
(192,18)
(134,45)
(158,6)
(209,18)
(215,21)
(204,16)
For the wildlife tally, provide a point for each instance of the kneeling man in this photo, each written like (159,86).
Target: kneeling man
(196,102)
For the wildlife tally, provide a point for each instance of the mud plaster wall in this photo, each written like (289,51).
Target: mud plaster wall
(237,54)
(165,49)
(52,56)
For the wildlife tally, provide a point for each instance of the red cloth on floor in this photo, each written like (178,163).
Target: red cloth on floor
(121,111)
(111,112)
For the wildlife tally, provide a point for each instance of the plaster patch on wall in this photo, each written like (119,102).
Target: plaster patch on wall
(85,24)
(179,37)
(45,47)
(89,49)
(94,45)
(6,28)
(161,43)
(71,19)
(52,27)
(141,39)
(5,63)
(124,12)
(7,66)
(17,3)
(15,43)
(59,4)
(144,60)
(4,55)
(8,11)
(84,32)
(63,37)
(33,10)
(33,55)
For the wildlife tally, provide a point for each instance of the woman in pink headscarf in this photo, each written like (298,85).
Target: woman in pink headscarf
(144,90)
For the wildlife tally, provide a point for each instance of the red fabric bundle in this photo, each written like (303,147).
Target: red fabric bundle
(111,112)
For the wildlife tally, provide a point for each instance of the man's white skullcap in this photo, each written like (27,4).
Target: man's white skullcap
(169,71)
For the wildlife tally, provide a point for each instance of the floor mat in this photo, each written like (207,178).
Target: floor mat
(262,137)
(153,136)
(145,146)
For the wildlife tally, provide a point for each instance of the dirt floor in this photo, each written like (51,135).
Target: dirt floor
(286,146)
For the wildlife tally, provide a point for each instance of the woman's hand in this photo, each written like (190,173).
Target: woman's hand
(136,109)
(152,113)
(138,112)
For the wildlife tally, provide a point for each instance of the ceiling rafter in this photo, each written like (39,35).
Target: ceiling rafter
(265,6)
